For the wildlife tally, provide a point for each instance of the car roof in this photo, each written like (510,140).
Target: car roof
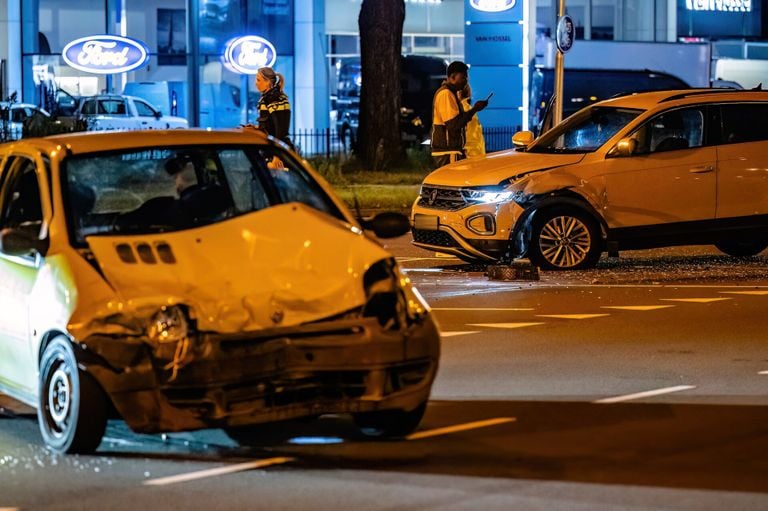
(88,142)
(649,100)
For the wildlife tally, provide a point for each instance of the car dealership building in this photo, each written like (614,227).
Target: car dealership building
(196,58)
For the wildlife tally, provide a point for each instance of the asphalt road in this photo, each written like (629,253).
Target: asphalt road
(642,384)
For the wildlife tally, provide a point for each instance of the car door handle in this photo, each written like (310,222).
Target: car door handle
(702,169)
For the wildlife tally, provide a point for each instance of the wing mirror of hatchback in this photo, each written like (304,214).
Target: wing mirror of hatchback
(625,147)
(21,242)
(522,139)
(387,224)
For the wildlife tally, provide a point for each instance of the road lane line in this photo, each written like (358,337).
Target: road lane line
(763,372)
(482,308)
(459,428)
(648,393)
(571,316)
(454,334)
(503,325)
(694,300)
(213,472)
(636,307)
(755,293)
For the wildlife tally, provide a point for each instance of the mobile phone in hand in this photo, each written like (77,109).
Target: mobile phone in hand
(489,97)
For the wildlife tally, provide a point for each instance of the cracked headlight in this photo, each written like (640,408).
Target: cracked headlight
(169,324)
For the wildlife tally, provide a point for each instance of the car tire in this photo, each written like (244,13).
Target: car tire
(72,407)
(390,423)
(564,239)
(742,248)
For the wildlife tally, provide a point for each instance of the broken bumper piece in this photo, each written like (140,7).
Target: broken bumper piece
(232,380)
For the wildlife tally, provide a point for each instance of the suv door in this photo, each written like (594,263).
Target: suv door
(20,207)
(670,176)
(742,160)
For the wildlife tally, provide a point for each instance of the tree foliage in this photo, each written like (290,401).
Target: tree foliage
(381,32)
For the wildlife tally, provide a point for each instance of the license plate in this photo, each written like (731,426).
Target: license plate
(425,222)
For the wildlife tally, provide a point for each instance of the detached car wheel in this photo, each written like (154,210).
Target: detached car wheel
(390,423)
(741,248)
(564,239)
(72,408)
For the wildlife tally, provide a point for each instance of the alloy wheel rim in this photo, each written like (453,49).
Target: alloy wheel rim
(565,241)
(59,399)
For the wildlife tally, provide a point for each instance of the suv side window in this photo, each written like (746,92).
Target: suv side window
(672,130)
(746,122)
(20,205)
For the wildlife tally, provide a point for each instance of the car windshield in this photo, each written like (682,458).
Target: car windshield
(586,131)
(152,190)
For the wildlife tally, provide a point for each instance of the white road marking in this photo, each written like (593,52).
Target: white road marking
(755,293)
(694,300)
(454,334)
(648,393)
(10,509)
(763,372)
(118,441)
(504,325)
(482,308)
(412,259)
(636,307)
(213,472)
(458,428)
(571,316)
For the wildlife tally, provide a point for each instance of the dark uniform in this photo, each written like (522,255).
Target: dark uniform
(275,114)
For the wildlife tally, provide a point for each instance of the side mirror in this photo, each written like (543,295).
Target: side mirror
(522,139)
(387,224)
(626,147)
(21,242)
(158,114)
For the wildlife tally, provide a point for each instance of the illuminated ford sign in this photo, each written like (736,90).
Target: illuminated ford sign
(492,5)
(249,53)
(106,54)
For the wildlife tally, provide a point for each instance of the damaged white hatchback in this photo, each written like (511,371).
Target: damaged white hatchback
(178,281)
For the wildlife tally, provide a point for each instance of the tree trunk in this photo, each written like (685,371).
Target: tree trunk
(381,34)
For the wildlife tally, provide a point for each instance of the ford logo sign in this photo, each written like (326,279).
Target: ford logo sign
(247,54)
(492,5)
(106,54)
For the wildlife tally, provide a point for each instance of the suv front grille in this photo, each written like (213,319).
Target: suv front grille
(446,199)
(434,238)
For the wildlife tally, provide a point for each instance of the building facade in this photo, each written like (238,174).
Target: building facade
(191,69)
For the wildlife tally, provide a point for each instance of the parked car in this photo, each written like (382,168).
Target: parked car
(174,277)
(583,87)
(13,116)
(120,112)
(644,170)
(420,77)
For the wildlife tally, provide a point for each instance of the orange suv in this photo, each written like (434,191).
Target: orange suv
(654,169)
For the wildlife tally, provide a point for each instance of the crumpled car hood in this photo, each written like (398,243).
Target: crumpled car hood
(497,167)
(281,266)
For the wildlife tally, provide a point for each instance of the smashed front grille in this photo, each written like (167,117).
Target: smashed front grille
(434,238)
(445,199)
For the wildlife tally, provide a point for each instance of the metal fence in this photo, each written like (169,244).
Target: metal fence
(328,143)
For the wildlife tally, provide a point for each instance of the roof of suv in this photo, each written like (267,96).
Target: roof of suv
(648,100)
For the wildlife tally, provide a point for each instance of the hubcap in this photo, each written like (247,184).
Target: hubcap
(59,397)
(565,241)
